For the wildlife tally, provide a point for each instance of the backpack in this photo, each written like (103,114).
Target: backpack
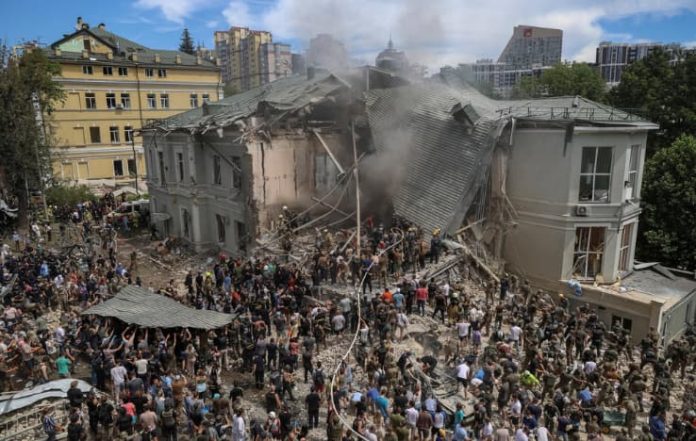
(319,377)
(168,420)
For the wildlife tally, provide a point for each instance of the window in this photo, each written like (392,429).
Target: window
(621,322)
(128,134)
(160,159)
(123,71)
(632,183)
(108,70)
(595,174)
(162,73)
(206,98)
(236,172)
(164,101)
(625,248)
(87,70)
(132,167)
(94,135)
(87,44)
(180,166)
(217,176)
(194,100)
(125,100)
(90,101)
(220,220)
(110,100)
(151,101)
(589,249)
(113,135)
(185,222)
(149,72)
(118,168)
(241,235)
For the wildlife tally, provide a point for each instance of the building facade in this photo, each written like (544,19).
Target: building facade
(250,58)
(532,45)
(113,87)
(613,58)
(500,78)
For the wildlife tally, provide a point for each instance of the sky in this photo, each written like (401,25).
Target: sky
(432,32)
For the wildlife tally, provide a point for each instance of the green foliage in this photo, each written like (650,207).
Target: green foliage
(186,44)
(564,80)
(668,228)
(24,142)
(665,93)
(69,195)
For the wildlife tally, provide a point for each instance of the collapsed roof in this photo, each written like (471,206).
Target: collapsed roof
(138,306)
(288,94)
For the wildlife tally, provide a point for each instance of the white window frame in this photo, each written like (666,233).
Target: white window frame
(90,101)
(114,135)
(626,247)
(110,100)
(87,69)
(594,174)
(128,134)
(193,100)
(164,100)
(151,101)
(632,178)
(125,100)
(149,72)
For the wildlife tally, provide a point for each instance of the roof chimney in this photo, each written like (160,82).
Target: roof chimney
(177,59)
(109,55)
(101,26)
(157,58)
(57,52)
(78,26)
(134,57)
(198,60)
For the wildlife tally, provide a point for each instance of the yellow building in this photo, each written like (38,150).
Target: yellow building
(113,87)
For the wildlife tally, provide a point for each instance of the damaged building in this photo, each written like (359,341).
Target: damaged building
(548,189)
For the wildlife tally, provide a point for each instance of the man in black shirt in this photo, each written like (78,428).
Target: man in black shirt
(313,401)
(75,395)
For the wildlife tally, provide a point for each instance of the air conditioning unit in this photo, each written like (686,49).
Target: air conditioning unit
(582,210)
(119,106)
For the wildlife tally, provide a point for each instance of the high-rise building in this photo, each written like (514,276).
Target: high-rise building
(532,45)
(499,79)
(250,59)
(613,58)
(327,52)
(115,86)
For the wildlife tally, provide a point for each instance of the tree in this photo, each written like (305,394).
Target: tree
(668,227)
(24,143)
(186,44)
(664,92)
(564,80)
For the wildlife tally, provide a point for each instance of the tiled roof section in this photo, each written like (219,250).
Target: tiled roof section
(138,306)
(443,159)
(286,94)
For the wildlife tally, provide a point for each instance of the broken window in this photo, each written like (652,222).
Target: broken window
(625,249)
(180,166)
(220,228)
(595,174)
(589,250)
(94,135)
(632,182)
(185,223)
(118,168)
(217,175)
(236,172)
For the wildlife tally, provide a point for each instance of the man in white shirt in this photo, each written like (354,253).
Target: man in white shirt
(338,321)
(542,433)
(411,418)
(239,427)
(521,435)
(118,378)
(463,372)
(516,337)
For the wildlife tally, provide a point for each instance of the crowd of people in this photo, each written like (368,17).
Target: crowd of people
(526,365)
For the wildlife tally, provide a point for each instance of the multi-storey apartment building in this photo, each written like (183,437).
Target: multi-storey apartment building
(113,87)
(250,59)
(613,58)
(530,45)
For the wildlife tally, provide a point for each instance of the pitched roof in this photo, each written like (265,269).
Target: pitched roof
(123,48)
(286,94)
(138,306)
